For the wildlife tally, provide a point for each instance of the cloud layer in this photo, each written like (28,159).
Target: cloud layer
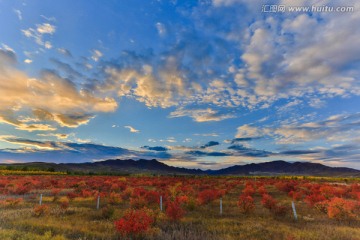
(43,103)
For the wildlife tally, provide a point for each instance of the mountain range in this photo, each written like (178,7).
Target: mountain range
(117,166)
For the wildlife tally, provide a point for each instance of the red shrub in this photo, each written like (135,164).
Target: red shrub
(206,196)
(246,204)
(55,191)
(249,190)
(20,190)
(268,202)
(40,210)
(262,190)
(339,208)
(296,195)
(183,199)
(314,198)
(138,202)
(134,223)
(71,195)
(114,198)
(174,211)
(286,186)
(152,197)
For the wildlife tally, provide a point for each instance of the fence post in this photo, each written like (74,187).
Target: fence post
(40,201)
(161,207)
(98,202)
(294,209)
(221,210)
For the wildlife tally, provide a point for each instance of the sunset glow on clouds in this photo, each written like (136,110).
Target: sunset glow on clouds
(83,81)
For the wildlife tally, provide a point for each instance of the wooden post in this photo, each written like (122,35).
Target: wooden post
(161,207)
(221,210)
(40,201)
(98,202)
(294,209)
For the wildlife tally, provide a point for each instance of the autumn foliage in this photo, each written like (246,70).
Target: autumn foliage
(174,211)
(135,223)
(341,209)
(246,204)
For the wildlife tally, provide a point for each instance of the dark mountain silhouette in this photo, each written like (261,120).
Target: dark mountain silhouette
(287,168)
(117,166)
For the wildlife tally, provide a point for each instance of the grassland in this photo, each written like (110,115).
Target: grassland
(81,219)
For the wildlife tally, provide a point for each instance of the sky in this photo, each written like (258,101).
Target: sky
(198,84)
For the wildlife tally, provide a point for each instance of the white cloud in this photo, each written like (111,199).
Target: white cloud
(207,134)
(96,55)
(316,103)
(47,45)
(64,52)
(50,19)
(38,34)
(248,131)
(45,28)
(200,115)
(161,29)
(132,129)
(336,128)
(163,88)
(28,61)
(18,14)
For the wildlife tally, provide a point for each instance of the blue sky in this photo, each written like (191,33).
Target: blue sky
(199,84)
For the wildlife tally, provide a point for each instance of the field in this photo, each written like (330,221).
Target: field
(113,207)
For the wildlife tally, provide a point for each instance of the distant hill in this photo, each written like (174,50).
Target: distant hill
(287,168)
(117,166)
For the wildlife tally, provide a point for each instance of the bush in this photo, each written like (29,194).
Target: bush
(114,198)
(341,209)
(152,197)
(208,195)
(268,202)
(314,198)
(174,211)
(246,204)
(134,224)
(138,202)
(40,210)
(249,190)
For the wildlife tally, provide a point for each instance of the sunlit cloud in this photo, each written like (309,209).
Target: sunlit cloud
(132,129)
(39,33)
(45,28)
(201,115)
(49,98)
(60,136)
